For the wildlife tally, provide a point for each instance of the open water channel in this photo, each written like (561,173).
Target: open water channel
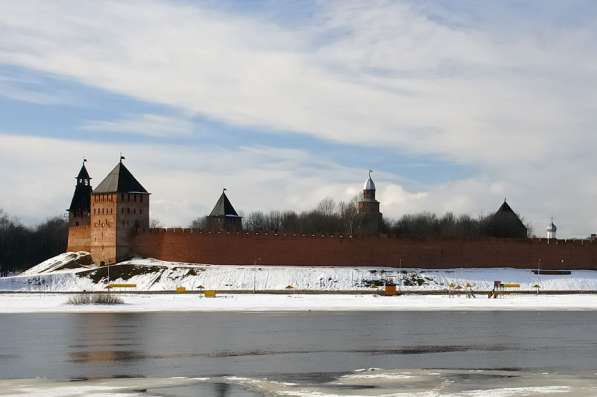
(299,354)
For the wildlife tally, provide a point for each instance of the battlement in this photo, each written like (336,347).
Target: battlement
(243,248)
(536,241)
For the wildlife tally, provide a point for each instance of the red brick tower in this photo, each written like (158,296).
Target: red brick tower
(368,208)
(79,213)
(119,209)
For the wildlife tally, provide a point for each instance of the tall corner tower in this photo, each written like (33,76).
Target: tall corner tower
(79,213)
(368,209)
(119,210)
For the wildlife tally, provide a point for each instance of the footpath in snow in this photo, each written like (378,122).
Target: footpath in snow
(73,272)
(57,303)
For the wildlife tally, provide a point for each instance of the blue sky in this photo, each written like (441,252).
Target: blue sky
(455,105)
(61,108)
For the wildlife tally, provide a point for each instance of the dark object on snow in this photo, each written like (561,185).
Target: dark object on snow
(553,272)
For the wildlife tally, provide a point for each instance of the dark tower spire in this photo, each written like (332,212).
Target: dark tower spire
(80,206)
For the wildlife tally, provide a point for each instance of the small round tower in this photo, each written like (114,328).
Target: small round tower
(551,230)
(369,188)
(368,209)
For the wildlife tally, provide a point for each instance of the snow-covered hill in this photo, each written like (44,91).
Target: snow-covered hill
(63,262)
(74,272)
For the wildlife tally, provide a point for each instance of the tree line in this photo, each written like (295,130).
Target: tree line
(429,226)
(330,217)
(22,246)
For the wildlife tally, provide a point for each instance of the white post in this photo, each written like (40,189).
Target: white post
(538,275)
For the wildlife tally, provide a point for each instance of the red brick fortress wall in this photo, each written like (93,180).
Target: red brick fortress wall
(187,245)
(79,238)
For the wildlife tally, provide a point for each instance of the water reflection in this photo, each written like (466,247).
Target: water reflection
(221,389)
(105,345)
(101,340)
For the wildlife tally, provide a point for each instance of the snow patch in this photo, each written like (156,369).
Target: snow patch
(66,273)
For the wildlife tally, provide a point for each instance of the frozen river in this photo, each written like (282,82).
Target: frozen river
(300,354)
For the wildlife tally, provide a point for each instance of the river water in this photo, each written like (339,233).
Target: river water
(300,354)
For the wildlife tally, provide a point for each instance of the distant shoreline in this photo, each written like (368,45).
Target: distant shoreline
(308,292)
(237,303)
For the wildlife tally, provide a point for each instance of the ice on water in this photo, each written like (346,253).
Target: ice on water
(360,383)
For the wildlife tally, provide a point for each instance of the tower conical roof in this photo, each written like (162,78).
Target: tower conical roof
(82,197)
(120,180)
(505,209)
(506,223)
(369,184)
(83,174)
(223,207)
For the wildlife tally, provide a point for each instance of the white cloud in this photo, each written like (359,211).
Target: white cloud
(519,107)
(391,76)
(154,125)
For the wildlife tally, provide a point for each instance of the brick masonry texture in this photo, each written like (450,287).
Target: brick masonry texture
(79,238)
(187,245)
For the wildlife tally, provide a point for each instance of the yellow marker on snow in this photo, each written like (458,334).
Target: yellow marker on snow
(110,286)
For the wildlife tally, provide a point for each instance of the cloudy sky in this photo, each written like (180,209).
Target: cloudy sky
(454,104)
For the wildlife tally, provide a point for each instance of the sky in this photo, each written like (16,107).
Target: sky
(455,105)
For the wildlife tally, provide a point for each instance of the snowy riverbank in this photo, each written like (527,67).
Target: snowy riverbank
(56,303)
(73,272)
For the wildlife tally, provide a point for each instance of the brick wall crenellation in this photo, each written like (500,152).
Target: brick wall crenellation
(229,248)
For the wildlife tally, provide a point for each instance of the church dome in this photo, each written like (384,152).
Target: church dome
(369,185)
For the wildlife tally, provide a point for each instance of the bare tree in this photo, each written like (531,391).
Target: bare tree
(326,207)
